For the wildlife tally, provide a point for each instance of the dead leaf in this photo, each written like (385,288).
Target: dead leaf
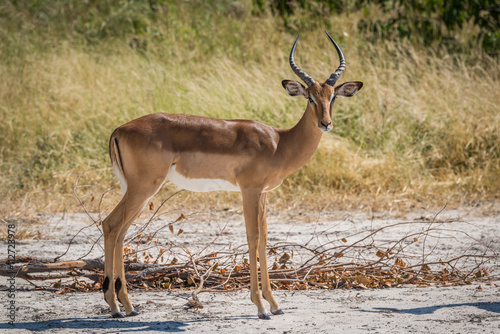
(191,281)
(362,280)
(181,217)
(171,228)
(344,240)
(180,231)
(362,286)
(284,258)
(151,206)
(400,262)
(194,304)
(426,268)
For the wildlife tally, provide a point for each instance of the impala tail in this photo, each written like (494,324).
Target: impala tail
(116,160)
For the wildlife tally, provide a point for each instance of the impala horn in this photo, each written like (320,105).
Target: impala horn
(335,75)
(301,74)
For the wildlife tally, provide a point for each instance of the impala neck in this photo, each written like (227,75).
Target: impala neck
(298,144)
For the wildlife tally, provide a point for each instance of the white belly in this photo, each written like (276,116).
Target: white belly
(199,185)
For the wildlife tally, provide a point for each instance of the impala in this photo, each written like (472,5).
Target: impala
(205,154)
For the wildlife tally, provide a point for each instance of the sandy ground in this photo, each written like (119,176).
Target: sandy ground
(462,309)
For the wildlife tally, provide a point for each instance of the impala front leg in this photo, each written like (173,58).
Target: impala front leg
(264,273)
(251,212)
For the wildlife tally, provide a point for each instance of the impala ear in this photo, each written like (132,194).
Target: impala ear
(348,89)
(294,88)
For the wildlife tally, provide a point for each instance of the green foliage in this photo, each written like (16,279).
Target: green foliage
(456,25)
(298,15)
(449,23)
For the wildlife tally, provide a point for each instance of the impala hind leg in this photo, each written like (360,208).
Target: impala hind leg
(111,227)
(264,273)
(127,210)
(120,282)
(251,213)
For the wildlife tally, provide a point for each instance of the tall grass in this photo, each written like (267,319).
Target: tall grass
(425,127)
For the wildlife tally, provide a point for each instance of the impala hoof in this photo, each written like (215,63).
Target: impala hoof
(133,314)
(118,315)
(264,316)
(278,312)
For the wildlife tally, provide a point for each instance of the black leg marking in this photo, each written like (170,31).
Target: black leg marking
(118,285)
(105,285)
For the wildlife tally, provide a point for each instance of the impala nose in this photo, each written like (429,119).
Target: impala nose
(325,127)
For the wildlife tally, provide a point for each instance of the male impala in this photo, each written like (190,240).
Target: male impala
(205,154)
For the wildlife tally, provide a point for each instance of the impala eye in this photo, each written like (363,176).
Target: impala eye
(311,100)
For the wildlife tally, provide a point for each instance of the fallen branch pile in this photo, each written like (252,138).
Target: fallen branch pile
(370,261)
(364,263)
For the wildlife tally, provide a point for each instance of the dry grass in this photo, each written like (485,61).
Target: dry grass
(425,127)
